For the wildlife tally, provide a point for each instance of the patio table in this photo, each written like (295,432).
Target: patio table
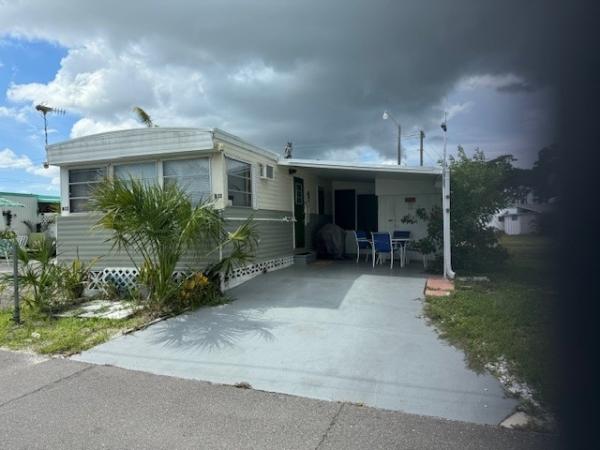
(397,243)
(400,243)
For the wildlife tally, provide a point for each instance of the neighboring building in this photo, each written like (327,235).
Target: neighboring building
(289,198)
(38,210)
(521,218)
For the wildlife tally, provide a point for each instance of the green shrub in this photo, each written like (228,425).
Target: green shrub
(74,278)
(199,290)
(478,189)
(40,277)
(8,234)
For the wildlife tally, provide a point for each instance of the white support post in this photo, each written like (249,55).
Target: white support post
(448,272)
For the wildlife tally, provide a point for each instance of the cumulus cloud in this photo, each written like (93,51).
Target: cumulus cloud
(9,160)
(18,114)
(314,72)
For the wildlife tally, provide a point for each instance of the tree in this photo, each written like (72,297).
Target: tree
(144,117)
(478,190)
(545,174)
(158,225)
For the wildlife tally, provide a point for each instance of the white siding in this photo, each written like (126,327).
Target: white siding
(130,144)
(275,194)
(393,206)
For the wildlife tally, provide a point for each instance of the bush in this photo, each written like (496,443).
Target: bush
(478,189)
(40,277)
(8,234)
(199,290)
(74,278)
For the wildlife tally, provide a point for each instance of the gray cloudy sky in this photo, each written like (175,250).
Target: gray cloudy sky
(319,73)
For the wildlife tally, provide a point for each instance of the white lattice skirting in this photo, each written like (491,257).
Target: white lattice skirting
(243,274)
(125,277)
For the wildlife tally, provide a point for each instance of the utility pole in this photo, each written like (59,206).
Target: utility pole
(399,145)
(17,307)
(421,136)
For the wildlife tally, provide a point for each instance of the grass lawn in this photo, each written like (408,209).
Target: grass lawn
(61,335)
(509,317)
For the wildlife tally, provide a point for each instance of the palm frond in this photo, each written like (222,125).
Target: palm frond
(143,117)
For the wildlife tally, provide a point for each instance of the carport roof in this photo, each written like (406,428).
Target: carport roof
(358,169)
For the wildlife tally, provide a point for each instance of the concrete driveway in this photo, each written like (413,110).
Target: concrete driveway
(333,331)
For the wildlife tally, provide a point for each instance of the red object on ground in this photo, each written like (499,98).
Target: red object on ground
(438,287)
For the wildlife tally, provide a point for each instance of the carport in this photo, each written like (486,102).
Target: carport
(329,330)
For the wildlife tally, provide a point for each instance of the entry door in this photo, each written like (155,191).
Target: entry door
(387,213)
(299,212)
(345,208)
(366,212)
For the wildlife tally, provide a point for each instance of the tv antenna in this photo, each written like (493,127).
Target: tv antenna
(45,110)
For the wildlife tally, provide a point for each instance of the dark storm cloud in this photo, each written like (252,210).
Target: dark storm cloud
(316,72)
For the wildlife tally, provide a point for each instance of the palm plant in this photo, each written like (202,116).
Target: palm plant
(40,276)
(157,225)
(144,117)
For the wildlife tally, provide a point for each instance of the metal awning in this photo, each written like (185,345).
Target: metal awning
(6,203)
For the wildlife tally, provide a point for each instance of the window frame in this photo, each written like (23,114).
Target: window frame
(156,163)
(186,158)
(107,171)
(251,179)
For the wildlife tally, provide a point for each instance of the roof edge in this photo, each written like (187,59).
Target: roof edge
(321,164)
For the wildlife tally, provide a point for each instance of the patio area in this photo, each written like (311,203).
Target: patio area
(329,330)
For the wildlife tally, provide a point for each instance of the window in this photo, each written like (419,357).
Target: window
(513,218)
(239,183)
(192,175)
(145,172)
(81,184)
(266,171)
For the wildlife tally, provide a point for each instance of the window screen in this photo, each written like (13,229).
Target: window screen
(145,172)
(192,175)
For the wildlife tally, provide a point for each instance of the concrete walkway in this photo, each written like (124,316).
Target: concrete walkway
(336,331)
(61,404)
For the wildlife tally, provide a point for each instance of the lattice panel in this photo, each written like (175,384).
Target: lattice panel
(121,277)
(126,277)
(242,274)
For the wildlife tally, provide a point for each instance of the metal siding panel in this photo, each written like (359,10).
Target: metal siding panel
(75,236)
(129,144)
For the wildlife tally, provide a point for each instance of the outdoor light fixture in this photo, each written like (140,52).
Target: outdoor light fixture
(386,116)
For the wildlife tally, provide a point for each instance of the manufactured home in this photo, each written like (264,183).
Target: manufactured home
(290,199)
(36,213)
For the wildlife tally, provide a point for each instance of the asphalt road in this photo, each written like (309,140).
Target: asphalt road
(65,404)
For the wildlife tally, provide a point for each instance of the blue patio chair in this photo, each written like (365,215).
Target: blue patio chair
(362,243)
(382,243)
